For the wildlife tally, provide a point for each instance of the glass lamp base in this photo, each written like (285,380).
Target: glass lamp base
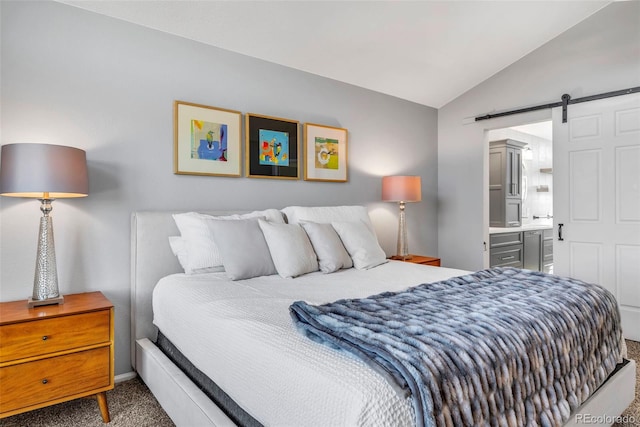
(45,282)
(402,251)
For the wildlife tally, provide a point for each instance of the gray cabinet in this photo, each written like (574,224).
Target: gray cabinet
(531,249)
(547,251)
(505,183)
(506,250)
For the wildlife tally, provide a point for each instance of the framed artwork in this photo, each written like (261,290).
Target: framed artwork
(206,140)
(325,153)
(272,147)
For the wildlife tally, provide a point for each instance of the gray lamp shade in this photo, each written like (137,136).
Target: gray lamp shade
(43,171)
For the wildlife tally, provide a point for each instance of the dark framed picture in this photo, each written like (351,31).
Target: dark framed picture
(325,153)
(271,147)
(206,140)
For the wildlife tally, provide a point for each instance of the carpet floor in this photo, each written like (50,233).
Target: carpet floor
(631,417)
(131,404)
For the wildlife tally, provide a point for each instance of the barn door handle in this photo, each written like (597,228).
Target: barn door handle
(560,232)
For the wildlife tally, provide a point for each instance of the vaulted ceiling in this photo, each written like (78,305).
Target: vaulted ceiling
(428,52)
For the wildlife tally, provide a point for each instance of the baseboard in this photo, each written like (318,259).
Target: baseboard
(125,377)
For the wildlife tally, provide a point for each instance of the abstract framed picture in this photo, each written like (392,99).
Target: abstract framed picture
(271,147)
(325,153)
(206,140)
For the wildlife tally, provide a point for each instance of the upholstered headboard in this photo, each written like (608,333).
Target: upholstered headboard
(151,259)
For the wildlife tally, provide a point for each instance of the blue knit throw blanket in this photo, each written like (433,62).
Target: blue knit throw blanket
(502,346)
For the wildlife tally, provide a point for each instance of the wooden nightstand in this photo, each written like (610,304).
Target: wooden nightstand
(419,259)
(54,353)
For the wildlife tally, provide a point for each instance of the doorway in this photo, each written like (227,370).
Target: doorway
(521,222)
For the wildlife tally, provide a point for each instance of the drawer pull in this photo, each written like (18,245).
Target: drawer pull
(45,381)
(504,258)
(44,338)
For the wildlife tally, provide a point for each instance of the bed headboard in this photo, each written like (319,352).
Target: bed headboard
(151,259)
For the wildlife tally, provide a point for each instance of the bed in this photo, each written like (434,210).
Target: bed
(273,389)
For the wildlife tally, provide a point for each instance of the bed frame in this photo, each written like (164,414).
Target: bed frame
(187,405)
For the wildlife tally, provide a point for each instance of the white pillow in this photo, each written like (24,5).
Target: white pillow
(179,250)
(273,215)
(327,214)
(201,249)
(290,248)
(361,243)
(243,248)
(332,256)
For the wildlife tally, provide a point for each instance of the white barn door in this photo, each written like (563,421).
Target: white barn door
(596,198)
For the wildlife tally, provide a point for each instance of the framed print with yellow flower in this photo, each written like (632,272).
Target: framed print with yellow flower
(206,140)
(325,155)
(272,147)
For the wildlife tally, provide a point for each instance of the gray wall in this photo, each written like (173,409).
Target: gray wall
(600,54)
(76,78)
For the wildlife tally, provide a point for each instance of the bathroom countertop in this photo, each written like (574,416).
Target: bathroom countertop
(525,227)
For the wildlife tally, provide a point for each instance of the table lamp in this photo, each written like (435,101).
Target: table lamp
(45,172)
(401,189)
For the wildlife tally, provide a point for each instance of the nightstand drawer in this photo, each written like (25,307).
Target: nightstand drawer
(31,383)
(38,337)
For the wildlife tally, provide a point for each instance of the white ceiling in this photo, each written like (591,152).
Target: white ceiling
(428,52)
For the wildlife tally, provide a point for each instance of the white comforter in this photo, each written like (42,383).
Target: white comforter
(240,334)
